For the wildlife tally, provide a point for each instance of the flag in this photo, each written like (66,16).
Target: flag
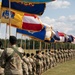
(25,21)
(33,1)
(38,35)
(23,7)
(69,38)
(31,23)
(62,37)
(41,35)
(56,35)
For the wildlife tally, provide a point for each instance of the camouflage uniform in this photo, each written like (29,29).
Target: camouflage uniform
(25,72)
(38,63)
(56,56)
(1,69)
(47,60)
(14,65)
(44,61)
(52,58)
(33,64)
(29,60)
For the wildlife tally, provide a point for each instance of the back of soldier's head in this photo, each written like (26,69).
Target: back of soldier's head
(46,51)
(42,52)
(24,54)
(32,54)
(37,52)
(0,44)
(12,40)
(28,55)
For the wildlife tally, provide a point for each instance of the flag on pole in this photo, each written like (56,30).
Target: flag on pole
(38,35)
(41,35)
(23,7)
(33,1)
(31,23)
(69,38)
(25,21)
(62,37)
(56,36)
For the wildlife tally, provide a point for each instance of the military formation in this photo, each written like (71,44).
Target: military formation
(14,61)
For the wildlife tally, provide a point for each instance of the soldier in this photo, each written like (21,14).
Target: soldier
(52,58)
(25,72)
(11,60)
(44,61)
(38,63)
(29,63)
(47,59)
(1,51)
(24,65)
(33,64)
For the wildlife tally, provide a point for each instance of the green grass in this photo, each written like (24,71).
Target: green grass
(65,68)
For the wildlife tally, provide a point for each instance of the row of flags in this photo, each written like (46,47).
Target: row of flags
(24,18)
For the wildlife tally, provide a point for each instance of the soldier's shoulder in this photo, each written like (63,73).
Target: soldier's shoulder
(9,50)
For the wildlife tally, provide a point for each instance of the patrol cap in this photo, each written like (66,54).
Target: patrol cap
(12,39)
(20,50)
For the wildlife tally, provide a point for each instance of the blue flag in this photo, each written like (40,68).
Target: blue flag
(25,7)
(69,38)
(39,35)
(33,1)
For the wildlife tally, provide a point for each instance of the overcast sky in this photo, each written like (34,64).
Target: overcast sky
(59,14)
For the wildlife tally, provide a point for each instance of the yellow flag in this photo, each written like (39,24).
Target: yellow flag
(16,17)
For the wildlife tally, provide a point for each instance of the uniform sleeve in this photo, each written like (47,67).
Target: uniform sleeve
(25,68)
(3,59)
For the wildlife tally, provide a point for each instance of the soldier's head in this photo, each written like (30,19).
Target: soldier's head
(28,55)
(0,44)
(46,51)
(12,40)
(43,53)
(37,52)
(32,54)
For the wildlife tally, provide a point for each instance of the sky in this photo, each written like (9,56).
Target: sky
(59,14)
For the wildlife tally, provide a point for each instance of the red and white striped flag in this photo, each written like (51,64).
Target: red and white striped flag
(31,23)
(62,36)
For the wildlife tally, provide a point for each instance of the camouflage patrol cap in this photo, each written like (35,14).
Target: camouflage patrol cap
(12,40)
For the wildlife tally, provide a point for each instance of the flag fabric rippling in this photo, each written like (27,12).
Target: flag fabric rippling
(33,1)
(22,7)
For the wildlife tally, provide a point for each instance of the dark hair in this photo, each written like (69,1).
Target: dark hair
(32,54)
(27,54)
(12,40)
(42,52)
(37,52)
(0,43)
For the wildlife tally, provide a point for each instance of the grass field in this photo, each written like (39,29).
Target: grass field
(66,68)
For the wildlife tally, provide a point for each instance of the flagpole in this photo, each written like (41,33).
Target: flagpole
(21,41)
(40,45)
(33,44)
(6,35)
(47,46)
(25,44)
(0,17)
(9,18)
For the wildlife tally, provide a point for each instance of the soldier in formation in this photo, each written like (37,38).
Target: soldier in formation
(16,62)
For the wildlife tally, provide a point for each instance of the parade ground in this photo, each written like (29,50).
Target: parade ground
(65,68)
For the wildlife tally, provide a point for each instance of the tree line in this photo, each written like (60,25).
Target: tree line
(35,44)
